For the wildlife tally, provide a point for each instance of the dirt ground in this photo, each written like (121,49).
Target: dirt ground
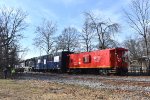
(44,90)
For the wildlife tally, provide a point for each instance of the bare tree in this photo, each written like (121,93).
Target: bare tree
(135,47)
(87,35)
(104,31)
(68,40)
(139,19)
(44,38)
(12,22)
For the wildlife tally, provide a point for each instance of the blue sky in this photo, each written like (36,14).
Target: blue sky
(67,13)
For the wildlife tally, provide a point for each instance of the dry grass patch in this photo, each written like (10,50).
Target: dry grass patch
(42,90)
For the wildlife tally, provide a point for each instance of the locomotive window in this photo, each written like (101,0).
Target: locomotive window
(44,61)
(56,59)
(50,58)
(87,59)
(39,61)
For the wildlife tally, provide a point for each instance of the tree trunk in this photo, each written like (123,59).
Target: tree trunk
(147,53)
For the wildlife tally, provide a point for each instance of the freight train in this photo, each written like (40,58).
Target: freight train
(105,61)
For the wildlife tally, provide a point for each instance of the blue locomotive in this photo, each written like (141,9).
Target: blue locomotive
(52,62)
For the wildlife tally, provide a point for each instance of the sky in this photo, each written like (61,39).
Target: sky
(67,13)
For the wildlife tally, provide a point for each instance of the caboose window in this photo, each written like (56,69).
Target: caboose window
(86,59)
(125,56)
(71,60)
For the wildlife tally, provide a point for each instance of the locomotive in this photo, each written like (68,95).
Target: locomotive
(53,62)
(105,61)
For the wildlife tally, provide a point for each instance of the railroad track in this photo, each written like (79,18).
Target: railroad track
(128,83)
(94,77)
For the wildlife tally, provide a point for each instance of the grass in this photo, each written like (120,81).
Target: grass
(41,90)
(17,89)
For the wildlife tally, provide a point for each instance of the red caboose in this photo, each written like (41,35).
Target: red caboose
(108,60)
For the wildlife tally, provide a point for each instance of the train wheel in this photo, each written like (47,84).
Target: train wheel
(69,71)
(59,71)
(103,72)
